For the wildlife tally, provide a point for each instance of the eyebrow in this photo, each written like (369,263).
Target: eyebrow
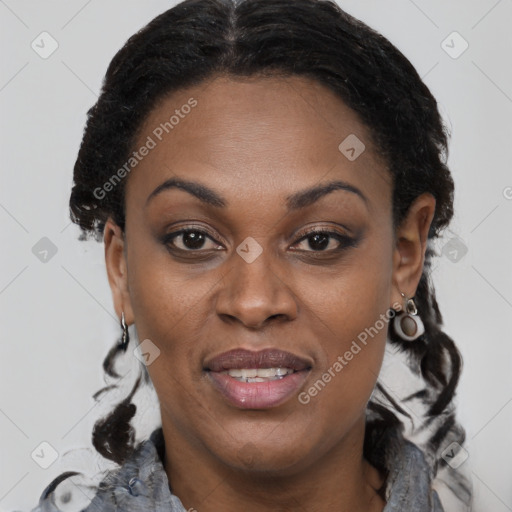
(295,201)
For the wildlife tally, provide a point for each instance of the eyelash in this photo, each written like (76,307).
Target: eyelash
(345,241)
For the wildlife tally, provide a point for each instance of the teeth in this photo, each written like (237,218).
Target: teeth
(258,374)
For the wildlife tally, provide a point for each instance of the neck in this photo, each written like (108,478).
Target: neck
(340,479)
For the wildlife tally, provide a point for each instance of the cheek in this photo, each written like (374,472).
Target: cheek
(170,311)
(352,315)
(169,308)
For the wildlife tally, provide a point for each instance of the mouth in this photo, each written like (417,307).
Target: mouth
(259,374)
(257,380)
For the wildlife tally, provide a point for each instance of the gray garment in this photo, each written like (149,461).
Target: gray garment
(141,484)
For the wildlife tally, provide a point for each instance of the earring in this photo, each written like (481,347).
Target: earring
(407,323)
(125,338)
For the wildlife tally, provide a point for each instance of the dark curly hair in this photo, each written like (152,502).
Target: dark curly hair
(200,39)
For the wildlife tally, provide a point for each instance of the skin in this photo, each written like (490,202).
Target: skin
(255,142)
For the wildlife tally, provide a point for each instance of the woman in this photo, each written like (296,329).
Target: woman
(268,177)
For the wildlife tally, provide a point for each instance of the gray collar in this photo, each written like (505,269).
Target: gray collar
(141,484)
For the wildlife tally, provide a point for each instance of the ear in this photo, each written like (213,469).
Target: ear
(115,260)
(410,246)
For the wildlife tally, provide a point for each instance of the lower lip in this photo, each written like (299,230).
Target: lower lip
(257,395)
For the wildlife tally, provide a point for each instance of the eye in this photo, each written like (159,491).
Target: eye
(190,240)
(316,240)
(321,240)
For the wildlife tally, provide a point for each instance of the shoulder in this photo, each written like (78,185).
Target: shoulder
(139,484)
(409,485)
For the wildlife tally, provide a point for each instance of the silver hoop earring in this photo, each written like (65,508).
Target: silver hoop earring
(125,337)
(407,323)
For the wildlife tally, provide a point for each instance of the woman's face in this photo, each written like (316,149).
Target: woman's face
(257,157)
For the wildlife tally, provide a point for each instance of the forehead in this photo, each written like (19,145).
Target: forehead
(255,137)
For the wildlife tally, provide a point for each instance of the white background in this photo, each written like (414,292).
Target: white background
(57,320)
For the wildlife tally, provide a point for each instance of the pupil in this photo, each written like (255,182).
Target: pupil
(318,241)
(193,239)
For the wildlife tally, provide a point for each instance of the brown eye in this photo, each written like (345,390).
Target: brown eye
(324,241)
(190,240)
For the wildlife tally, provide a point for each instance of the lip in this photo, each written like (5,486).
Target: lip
(268,358)
(257,395)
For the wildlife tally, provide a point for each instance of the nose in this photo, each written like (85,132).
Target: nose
(254,295)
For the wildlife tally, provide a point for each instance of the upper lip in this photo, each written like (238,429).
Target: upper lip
(269,358)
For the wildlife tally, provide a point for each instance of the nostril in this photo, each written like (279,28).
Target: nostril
(277,315)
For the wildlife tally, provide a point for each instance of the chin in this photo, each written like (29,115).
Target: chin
(266,459)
